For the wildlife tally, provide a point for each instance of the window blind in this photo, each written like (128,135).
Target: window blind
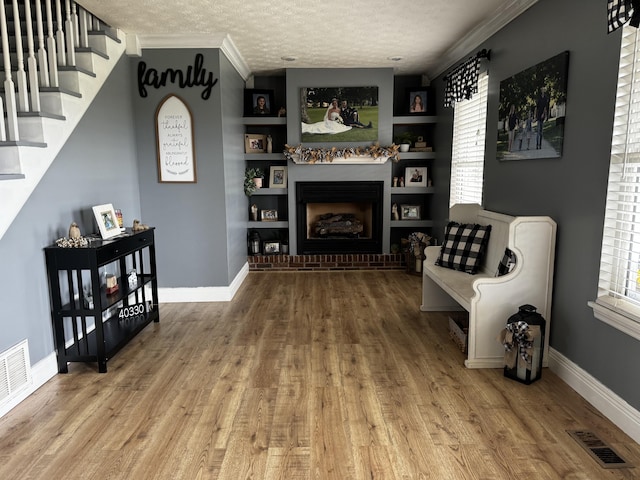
(467,153)
(619,278)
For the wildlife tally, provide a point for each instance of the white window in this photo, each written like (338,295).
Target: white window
(467,153)
(618,302)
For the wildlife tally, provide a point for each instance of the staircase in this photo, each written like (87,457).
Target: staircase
(55,58)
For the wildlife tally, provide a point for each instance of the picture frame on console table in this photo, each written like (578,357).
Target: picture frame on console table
(107,220)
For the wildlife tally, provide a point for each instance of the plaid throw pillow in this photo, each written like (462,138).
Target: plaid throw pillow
(507,263)
(464,246)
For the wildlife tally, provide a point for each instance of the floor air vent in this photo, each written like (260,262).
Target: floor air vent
(599,450)
(15,371)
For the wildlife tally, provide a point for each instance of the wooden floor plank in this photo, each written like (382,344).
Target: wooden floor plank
(303,375)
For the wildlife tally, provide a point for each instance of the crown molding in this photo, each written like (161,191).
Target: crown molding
(221,41)
(499,19)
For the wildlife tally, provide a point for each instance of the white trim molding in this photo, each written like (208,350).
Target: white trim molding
(169,41)
(498,19)
(621,319)
(204,294)
(615,408)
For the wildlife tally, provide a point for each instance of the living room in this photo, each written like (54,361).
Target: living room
(111,158)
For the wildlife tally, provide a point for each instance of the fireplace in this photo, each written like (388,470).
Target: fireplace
(339,217)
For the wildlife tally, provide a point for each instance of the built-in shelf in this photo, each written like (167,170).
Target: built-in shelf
(416,155)
(270,157)
(411,190)
(271,191)
(282,224)
(411,223)
(414,119)
(265,120)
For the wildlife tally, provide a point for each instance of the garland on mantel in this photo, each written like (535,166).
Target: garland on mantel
(375,152)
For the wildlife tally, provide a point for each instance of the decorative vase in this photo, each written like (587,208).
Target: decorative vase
(404,147)
(269,144)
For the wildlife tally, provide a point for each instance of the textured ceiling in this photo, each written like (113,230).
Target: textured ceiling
(428,35)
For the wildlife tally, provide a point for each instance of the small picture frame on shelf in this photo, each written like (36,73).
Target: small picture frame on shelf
(277,176)
(269,215)
(255,143)
(418,101)
(271,247)
(409,212)
(107,220)
(415,176)
(258,103)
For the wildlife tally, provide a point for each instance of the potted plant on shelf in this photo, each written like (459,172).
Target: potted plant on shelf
(252,180)
(405,139)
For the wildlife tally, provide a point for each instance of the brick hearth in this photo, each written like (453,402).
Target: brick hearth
(327,262)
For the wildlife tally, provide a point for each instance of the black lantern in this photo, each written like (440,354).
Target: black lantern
(523,340)
(254,243)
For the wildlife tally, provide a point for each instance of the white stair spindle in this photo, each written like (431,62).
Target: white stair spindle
(42,51)
(9,87)
(76,28)
(3,132)
(21,75)
(32,63)
(83,34)
(62,56)
(70,29)
(51,46)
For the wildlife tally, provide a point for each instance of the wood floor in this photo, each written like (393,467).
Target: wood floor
(334,375)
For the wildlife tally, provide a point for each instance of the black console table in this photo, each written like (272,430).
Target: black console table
(101,296)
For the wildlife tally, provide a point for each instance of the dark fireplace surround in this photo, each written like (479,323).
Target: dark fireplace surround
(368,193)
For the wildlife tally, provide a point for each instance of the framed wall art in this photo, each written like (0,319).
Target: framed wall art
(532,111)
(255,143)
(258,103)
(107,220)
(277,176)
(175,145)
(415,177)
(339,114)
(269,215)
(270,247)
(409,212)
(417,101)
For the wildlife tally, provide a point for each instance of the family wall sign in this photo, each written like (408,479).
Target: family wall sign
(194,76)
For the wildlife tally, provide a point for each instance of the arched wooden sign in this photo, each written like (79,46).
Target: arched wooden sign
(174,134)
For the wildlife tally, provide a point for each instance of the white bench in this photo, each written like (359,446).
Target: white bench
(491,300)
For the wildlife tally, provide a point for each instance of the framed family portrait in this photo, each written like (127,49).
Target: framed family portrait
(271,247)
(415,176)
(417,101)
(278,177)
(258,103)
(269,215)
(107,220)
(409,212)
(255,143)
(339,114)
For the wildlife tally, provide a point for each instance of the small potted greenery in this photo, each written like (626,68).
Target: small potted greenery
(405,139)
(252,180)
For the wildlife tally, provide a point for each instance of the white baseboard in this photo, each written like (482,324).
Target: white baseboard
(616,409)
(41,373)
(204,294)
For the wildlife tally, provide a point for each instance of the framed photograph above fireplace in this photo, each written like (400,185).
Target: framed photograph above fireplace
(339,114)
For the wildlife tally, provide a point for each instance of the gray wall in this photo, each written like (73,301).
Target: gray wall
(91,169)
(570,189)
(191,220)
